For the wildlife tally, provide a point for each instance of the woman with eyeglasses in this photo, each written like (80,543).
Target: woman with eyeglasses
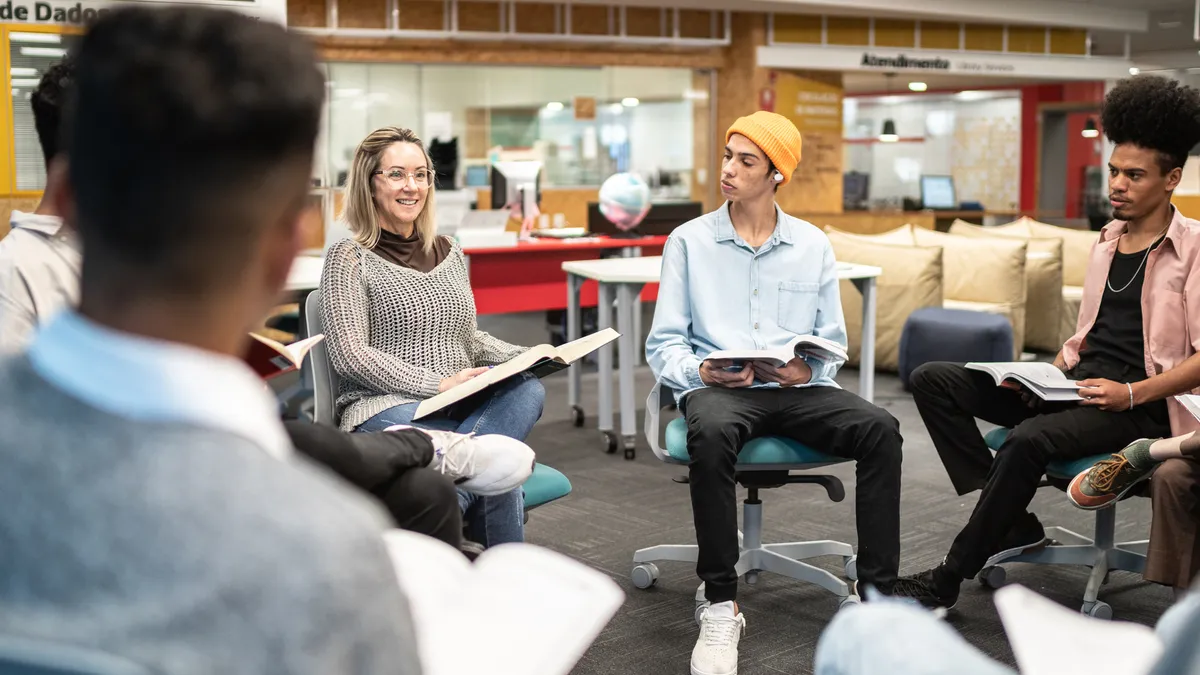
(400,323)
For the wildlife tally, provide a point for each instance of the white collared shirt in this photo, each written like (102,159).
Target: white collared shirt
(40,265)
(157,381)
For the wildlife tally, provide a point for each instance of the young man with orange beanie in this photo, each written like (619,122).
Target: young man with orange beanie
(749,276)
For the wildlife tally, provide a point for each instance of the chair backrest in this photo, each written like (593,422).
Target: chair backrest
(26,656)
(316,370)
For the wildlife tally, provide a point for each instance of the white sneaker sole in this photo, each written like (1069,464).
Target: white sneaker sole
(508,464)
(697,671)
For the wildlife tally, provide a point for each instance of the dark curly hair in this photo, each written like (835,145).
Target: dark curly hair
(48,102)
(1155,113)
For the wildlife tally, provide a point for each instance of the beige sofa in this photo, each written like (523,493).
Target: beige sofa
(977,274)
(912,279)
(1043,279)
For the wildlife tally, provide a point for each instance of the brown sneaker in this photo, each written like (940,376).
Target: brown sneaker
(1110,479)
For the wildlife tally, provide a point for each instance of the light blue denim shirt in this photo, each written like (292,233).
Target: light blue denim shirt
(717,292)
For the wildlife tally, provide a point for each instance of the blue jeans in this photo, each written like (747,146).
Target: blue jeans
(900,638)
(509,409)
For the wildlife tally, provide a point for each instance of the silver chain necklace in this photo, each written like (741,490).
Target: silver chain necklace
(1139,267)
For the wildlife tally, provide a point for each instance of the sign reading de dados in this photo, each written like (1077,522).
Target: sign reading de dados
(82,13)
(45,12)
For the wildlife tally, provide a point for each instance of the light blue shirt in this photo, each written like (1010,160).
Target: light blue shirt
(150,380)
(717,292)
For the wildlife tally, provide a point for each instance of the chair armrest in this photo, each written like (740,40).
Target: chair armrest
(654,405)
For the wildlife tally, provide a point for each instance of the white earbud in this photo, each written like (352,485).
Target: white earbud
(778,177)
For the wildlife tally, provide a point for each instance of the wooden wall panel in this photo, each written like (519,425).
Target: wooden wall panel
(536,17)
(590,20)
(422,15)
(895,33)
(1027,39)
(445,51)
(1068,41)
(362,14)
(8,204)
(644,22)
(798,28)
(847,30)
(478,134)
(705,161)
(939,35)
(867,222)
(306,13)
(479,16)
(984,38)
(694,23)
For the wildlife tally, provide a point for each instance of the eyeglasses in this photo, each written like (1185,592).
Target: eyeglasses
(420,177)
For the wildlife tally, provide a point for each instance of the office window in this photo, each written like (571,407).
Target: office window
(30,55)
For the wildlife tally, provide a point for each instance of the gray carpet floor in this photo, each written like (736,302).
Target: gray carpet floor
(618,506)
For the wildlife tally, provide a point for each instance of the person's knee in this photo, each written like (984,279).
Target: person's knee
(1173,478)
(881,435)
(928,378)
(712,435)
(533,395)
(425,488)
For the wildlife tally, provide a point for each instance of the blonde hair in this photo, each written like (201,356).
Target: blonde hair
(358,208)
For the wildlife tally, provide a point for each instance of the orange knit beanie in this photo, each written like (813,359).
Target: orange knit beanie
(775,135)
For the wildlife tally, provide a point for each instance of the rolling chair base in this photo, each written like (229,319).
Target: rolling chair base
(1101,553)
(785,559)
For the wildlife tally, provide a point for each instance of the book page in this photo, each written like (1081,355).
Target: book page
(776,357)
(518,364)
(577,349)
(1191,403)
(299,349)
(526,609)
(1041,374)
(1049,639)
(819,346)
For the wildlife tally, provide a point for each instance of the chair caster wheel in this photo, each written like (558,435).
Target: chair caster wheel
(992,577)
(849,601)
(1097,610)
(751,577)
(700,607)
(644,575)
(610,442)
(577,416)
(850,564)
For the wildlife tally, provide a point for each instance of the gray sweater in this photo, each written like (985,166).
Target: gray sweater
(185,549)
(394,333)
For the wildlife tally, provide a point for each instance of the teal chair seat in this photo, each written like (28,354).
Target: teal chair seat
(544,486)
(1065,469)
(767,450)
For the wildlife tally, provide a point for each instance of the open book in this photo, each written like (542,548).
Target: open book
(810,345)
(540,360)
(269,358)
(1045,380)
(1191,403)
(1049,639)
(518,609)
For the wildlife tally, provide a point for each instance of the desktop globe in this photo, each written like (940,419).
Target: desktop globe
(624,200)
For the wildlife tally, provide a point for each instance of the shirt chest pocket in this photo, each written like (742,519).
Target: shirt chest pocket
(797,310)
(1168,326)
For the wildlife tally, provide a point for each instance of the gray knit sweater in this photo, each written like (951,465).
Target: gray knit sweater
(188,550)
(394,333)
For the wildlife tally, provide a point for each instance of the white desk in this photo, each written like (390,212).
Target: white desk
(306,273)
(626,276)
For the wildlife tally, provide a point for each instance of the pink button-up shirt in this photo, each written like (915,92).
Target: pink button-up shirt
(1170,303)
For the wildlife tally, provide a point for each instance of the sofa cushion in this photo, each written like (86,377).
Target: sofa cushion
(911,279)
(1072,299)
(1043,282)
(1077,248)
(984,270)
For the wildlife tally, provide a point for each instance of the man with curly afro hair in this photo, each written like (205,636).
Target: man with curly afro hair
(1134,350)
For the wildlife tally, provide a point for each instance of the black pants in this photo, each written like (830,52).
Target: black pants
(390,466)
(831,420)
(950,398)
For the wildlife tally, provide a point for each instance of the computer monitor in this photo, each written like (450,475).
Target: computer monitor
(855,190)
(937,192)
(477,175)
(516,184)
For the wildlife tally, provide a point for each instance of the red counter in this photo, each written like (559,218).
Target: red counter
(528,277)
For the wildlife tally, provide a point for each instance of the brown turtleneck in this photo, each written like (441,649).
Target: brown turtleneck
(409,251)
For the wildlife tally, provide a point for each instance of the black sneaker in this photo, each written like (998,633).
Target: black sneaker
(1026,535)
(935,589)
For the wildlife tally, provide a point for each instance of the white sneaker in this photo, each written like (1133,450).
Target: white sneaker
(485,465)
(716,652)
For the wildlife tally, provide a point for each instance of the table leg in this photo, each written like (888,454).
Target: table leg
(636,252)
(626,294)
(866,373)
(574,284)
(604,414)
